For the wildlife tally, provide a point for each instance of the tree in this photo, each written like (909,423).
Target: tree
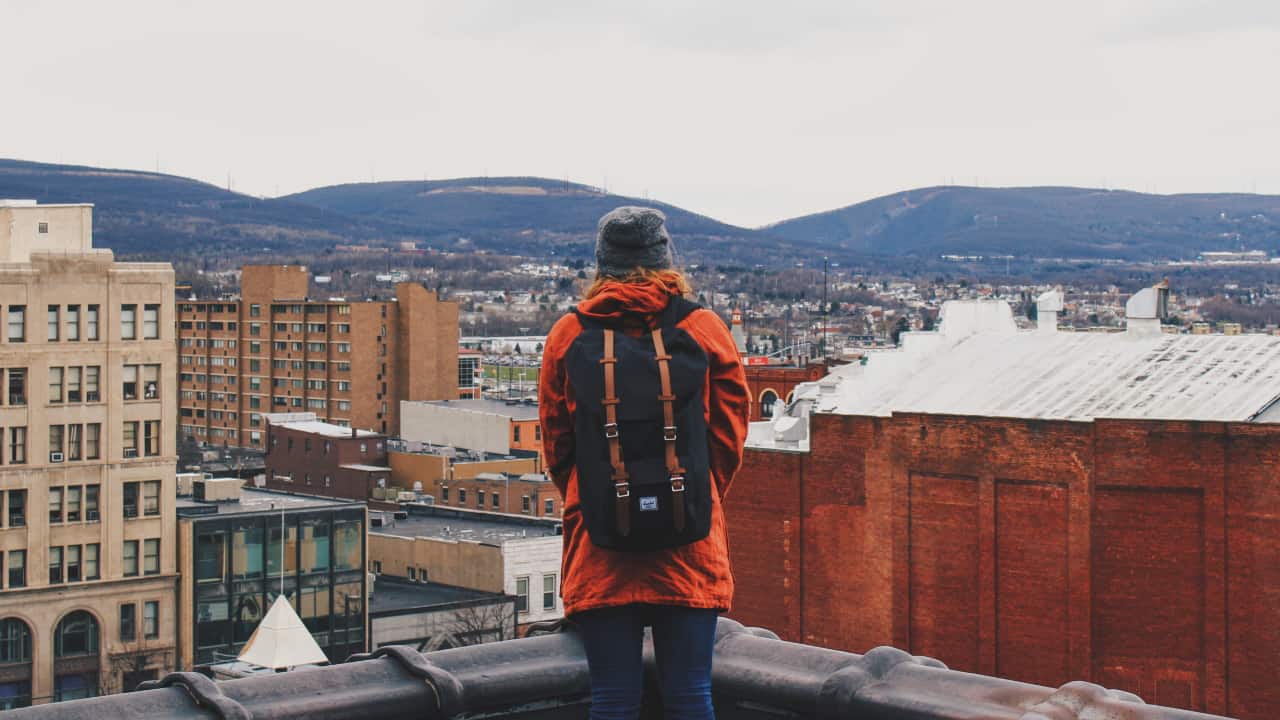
(900,327)
(481,623)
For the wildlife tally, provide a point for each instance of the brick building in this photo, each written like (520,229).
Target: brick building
(275,349)
(1044,506)
(516,493)
(305,455)
(774,384)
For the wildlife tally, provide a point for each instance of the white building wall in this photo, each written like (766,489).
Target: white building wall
(536,559)
(457,426)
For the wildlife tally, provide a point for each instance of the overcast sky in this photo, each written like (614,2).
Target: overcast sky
(747,111)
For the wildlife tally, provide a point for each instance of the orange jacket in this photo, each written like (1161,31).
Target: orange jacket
(694,575)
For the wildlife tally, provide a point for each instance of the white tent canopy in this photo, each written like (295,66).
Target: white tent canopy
(281,640)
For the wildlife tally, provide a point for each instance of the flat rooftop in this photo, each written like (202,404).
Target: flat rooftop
(253,501)
(324,429)
(514,410)
(394,596)
(459,524)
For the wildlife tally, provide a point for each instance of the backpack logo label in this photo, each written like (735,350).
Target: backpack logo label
(648,504)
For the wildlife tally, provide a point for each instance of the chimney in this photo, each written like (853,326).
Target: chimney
(1146,309)
(1048,305)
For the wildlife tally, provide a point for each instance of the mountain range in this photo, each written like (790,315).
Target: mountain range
(155,215)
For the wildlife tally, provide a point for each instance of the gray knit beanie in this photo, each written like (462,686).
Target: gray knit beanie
(631,237)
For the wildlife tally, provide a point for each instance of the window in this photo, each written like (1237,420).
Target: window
(462,496)
(515,429)
(549,507)
(55,505)
(55,443)
(131,439)
(73,440)
(151,556)
(522,594)
(444,493)
(17,568)
(130,500)
(151,438)
(91,503)
(130,558)
(73,322)
(17,508)
(767,402)
(151,619)
(549,592)
(55,565)
(73,503)
(18,386)
(496,500)
(91,322)
(128,622)
(91,560)
(377,567)
(92,441)
(73,384)
(480,499)
(150,382)
(17,445)
(15,647)
(151,497)
(73,563)
(413,574)
(344,347)
(17,323)
(42,228)
(128,322)
(54,319)
(55,384)
(130,382)
(524,503)
(151,322)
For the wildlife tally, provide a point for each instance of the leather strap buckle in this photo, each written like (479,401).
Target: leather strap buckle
(677,483)
(669,433)
(623,489)
(611,430)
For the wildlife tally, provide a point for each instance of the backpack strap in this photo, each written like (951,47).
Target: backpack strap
(621,480)
(668,398)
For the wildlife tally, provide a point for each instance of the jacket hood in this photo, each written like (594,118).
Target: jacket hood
(616,298)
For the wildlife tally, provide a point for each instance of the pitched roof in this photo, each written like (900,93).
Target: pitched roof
(281,640)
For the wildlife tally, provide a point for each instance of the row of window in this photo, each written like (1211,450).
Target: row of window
(64,322)
(81,563)
(548,592)
(150,621)
(75,635)
(81,383)
(70,443)
(73,503)
(526,501)
(255,310)
(73,563)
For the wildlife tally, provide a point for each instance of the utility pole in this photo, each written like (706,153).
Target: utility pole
(822,343)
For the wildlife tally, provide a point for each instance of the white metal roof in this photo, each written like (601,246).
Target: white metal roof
(316,427)
(980,364)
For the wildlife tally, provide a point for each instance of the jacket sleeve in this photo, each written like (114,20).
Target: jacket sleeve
(553,403)
(728,402)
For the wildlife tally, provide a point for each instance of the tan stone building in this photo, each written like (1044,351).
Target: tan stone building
(274,349)
(87,519)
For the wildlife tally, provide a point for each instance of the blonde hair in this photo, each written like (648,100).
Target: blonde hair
(672,279)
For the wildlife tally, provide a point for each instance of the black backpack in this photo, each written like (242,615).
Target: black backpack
(644,479)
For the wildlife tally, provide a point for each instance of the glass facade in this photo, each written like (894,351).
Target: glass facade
(242,564)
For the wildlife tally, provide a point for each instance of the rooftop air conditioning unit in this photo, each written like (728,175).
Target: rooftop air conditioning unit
(55,457)
(91,515)
(131,452)
(401,515)
(91,396)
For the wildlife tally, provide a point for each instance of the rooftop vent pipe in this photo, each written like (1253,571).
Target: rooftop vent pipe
(1146,309)
(1048,305)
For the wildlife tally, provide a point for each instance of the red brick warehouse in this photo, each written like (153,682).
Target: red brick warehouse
(1045,506)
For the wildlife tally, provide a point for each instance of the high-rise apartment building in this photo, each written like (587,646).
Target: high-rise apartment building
(273,349)
(87,516)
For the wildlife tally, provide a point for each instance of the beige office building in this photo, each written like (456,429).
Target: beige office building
(87,516)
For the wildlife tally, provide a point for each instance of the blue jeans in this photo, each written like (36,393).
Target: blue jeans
(683,639)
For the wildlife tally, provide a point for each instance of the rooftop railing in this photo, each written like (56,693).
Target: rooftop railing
(755,677)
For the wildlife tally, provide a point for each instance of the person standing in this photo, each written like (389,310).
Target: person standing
(643,404)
